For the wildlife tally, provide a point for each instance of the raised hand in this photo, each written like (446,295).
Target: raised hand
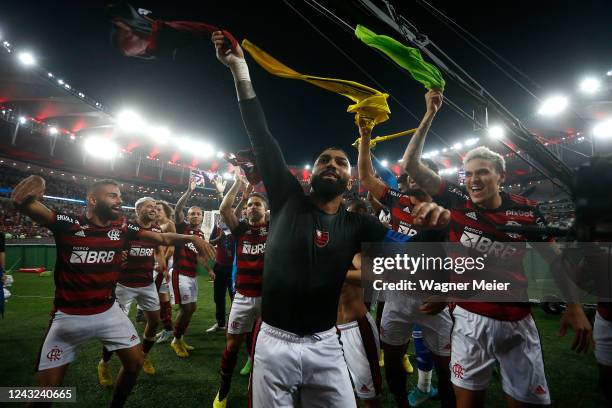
(230,56)
(192,184)
(220,184)
(32,187)
(433,101)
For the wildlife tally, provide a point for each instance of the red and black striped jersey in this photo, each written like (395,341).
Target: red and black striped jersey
(225,249)
(250,250)
(400,207)
(138,268)
(88,262)
(186,255)
(475,228)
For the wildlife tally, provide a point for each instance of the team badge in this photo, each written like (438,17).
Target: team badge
(321,238)
(114,235)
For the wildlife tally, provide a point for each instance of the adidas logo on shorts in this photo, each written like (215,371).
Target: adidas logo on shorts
(80,233)
(540,390)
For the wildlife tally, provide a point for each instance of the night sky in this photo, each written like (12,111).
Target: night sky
(554,42)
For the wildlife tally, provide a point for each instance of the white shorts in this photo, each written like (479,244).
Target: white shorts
(67,332)
(291,371)
(244,313)
(146,297)
(361,350)
(402,312)
(602,334)
(479,342)
(185,289)
(160,283)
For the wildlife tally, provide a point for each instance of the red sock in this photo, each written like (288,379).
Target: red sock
(228,364)
(166,315)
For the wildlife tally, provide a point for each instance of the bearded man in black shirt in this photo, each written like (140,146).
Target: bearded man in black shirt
(298,359)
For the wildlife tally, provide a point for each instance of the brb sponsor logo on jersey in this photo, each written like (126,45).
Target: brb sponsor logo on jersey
(406,229)
(253,249)
(137,251)
(82,255)
(473,238)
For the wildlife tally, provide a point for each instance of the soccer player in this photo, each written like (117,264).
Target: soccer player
(297,356)
(402,311)
(485,333)
(136,283)
(87,269)
(251,236)
(184,274)
(225,243)
(358,331)
(162,277)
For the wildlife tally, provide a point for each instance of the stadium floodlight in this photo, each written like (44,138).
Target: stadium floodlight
(553,105)
(384,163)
(434,153)
(53,130)
(307,167)
(159,134)
(205,150)
(220,154)
(496,132)
(609,73)
(590,85)
(26,59)
(130,121)
(60,81)
(22,120)
(457,146)
(101,148)
(50,74)
(603,130)
(470,142)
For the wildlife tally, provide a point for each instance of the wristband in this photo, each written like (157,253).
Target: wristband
(240,69)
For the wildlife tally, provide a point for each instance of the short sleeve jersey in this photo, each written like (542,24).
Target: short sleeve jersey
(400,207)
(475,228)
(186,255)
(138,268)
(88,263)
(250,251)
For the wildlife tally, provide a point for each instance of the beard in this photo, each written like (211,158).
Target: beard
(255,218)
(105,211)
(327,189)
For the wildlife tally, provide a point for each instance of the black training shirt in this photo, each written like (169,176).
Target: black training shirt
(308,252)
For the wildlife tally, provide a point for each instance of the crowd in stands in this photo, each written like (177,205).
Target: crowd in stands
(70,186)
(17,226)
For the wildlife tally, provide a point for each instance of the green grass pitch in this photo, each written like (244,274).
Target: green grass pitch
(193,382)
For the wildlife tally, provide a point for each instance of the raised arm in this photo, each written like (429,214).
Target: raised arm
(366,173)
(226,210)
(26,197)
(277,178)
(205,250)
(426,178)
(243,200)
(179,216)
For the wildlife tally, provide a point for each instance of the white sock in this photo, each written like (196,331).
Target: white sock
(424,383)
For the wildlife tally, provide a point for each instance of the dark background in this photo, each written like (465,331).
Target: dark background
(554,42)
